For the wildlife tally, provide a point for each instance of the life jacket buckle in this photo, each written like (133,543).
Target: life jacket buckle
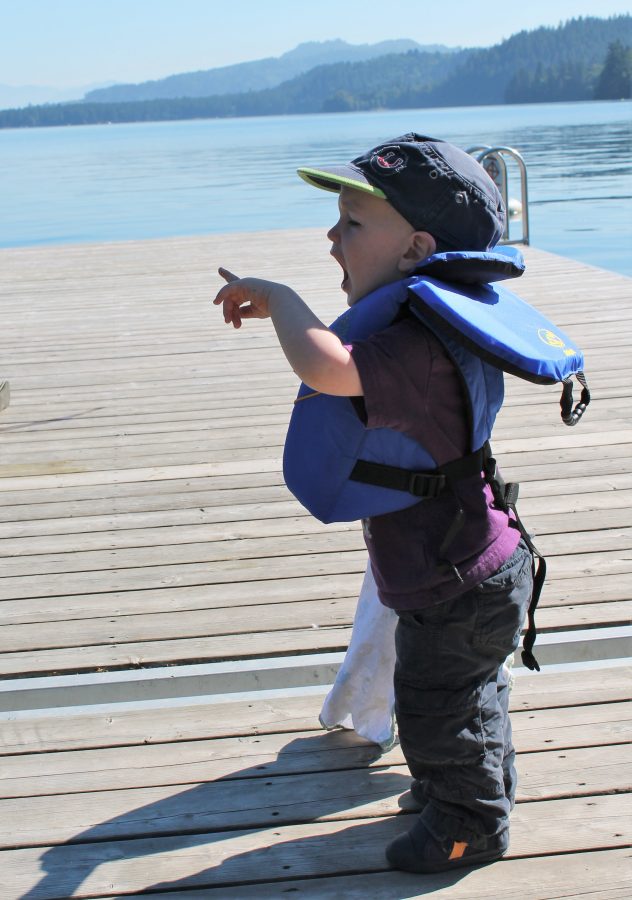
(421,484)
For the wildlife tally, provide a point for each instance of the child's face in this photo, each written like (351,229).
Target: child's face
(370,241)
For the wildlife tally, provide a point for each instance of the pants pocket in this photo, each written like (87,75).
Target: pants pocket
(440,728)
(502,603)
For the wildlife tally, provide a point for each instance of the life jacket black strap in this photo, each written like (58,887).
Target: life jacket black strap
(506,497)
(569,415)
(430,485)
(425,485)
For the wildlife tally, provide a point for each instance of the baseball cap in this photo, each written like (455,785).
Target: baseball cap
(434,185)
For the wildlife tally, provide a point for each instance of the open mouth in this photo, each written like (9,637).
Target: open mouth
(344,284)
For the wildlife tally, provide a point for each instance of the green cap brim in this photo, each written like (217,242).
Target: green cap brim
(334,178)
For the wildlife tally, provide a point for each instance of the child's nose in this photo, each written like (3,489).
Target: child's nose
(332,234)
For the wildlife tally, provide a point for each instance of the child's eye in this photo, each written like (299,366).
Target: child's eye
(352,222)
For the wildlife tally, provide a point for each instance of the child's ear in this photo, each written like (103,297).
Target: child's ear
(421,244)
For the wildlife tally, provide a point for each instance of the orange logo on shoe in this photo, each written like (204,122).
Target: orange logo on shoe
(458,850)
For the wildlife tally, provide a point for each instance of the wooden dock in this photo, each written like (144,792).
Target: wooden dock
(144,524)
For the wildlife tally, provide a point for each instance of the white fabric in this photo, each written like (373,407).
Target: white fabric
(362,696)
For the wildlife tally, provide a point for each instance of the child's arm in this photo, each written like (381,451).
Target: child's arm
(315,353)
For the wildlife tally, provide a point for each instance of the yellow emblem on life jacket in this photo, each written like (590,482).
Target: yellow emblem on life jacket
(550,338)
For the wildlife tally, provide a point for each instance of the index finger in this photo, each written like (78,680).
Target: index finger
(227,275)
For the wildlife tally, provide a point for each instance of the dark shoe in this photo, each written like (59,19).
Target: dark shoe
(418,850)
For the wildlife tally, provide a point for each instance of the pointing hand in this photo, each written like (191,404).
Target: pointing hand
(243,298)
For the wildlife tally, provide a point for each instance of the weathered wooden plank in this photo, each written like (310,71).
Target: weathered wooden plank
(211,635)
(44,410)
(589,615)
(122,462)
(283,541)
(206,430)
(38,521)
(272,617)
(588,588)
(159,347)
(195,761)
(120,465)
(222,572)
(186,762)
(64,473)
(608,684)
(80,411)
(277,614)
(602,875)
(199,649)
(234,527)
(299,851)
(229,528)
(166,600)
(129,495)
(93,398)
(248,800)
(339,537)
(87,404)
(207,422)
(332,559)
(535,713)
(176,501)
(212,441)
(525,418)
(193,514)
(64,479)
(169,626)
(607,591)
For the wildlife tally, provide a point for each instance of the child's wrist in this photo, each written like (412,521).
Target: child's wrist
(281,297)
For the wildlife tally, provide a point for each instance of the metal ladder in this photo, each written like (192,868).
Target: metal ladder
(494,161)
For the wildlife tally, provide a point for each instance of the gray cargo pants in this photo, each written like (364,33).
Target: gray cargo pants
(451,701)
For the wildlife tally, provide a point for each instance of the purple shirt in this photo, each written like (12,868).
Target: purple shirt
(410,384)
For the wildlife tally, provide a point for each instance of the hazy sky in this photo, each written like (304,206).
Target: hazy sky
(77,42)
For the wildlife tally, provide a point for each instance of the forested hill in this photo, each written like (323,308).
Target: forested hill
(586,58)
(548,64)
(255,75)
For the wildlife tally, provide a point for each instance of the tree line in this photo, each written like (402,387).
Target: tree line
(584,59)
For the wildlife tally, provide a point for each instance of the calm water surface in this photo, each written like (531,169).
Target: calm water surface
(145,180)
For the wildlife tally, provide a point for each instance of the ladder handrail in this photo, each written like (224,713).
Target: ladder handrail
(483,152)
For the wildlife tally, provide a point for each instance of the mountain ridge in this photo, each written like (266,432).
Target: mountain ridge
(268,72)
(582,59)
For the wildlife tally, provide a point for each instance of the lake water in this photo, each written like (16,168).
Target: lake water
(147,180)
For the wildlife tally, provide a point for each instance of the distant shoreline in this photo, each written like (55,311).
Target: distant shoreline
(582,59)
(130,120)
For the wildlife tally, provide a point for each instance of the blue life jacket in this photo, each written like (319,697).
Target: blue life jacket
(332,461)
(340,470)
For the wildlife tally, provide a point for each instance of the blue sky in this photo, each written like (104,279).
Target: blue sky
(79,42)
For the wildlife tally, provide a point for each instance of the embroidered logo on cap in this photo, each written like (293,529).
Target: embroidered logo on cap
(389,160)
